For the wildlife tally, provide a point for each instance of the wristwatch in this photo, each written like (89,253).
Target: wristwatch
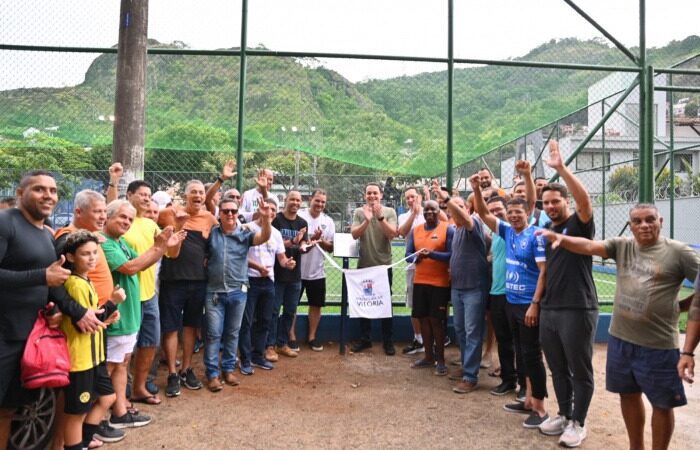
(535,302)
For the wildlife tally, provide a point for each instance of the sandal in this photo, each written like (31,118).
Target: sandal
(421,363)
(147,400)
(440,370)
(95,443)
(495,372)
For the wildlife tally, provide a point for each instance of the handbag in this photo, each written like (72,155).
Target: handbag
(46,361)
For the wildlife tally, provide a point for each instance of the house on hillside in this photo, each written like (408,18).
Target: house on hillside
(29,132)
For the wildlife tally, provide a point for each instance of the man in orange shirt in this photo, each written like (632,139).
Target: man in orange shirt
(431,283)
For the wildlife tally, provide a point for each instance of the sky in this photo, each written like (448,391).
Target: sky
(484,29)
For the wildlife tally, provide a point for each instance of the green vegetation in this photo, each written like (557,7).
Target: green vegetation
(293,104)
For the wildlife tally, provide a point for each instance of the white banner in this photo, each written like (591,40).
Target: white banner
(369,294)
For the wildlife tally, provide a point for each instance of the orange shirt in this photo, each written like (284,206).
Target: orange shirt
(101,277)
(430,271)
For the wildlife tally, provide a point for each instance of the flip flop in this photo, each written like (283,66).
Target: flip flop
(421,363)
(95,443)
(147,400)
(495,372)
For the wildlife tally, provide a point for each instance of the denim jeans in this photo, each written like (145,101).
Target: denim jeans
(256,319)
(286,297)
(224,312)
(469,307)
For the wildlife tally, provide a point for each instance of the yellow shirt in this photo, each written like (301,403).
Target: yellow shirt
(141,237)
(86,350)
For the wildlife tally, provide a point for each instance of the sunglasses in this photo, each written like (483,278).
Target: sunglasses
(228,211)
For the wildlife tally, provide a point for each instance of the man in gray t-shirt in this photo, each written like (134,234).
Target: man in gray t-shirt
(644,328)
(375,226)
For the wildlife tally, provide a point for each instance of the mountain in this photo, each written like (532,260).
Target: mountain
(396,125)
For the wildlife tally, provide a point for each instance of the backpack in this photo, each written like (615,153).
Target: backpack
(45,362)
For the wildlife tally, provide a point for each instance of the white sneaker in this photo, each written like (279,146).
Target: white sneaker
(573,435)
(554,426)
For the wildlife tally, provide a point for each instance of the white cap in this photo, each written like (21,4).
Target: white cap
(162,199)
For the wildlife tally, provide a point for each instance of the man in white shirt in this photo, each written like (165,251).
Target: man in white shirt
(321,229)
(249,202)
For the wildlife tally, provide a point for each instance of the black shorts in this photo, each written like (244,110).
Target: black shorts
(84,388)
(181,304)
(12,394)
(430,301)
(315,291)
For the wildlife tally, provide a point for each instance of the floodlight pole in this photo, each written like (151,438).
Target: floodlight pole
(241,96)
(450,79)
(646,116)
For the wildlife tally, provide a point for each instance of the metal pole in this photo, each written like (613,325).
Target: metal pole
(670,158)
(241,96)
(605,167)
(343,309)
(646,107)
(450,80)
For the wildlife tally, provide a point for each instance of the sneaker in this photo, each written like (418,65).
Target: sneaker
(286,351)
(109,434)
(189,379)
(359,346)
(294,345)
(129,420)
(316,345)
(413,348)
(151,387)
(231,379)
(503,389)
(440,370)
(455,375)
(264,365)
(573,434)
(554,426)
(448,341)
(198,345)
(522,395)
(271,354)
(534,420)
(215,384)
(517,407)
(173,388)
(389,349)
(246,370)
(464,387)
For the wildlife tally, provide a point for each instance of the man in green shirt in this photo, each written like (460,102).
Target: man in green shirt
(643,346)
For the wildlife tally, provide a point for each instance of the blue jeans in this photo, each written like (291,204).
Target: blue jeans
(469,306)
(287,297)
(224,312)
(256,319)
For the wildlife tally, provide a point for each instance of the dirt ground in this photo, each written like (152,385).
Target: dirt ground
(369,400)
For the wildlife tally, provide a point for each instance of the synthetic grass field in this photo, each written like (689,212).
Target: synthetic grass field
(605,285)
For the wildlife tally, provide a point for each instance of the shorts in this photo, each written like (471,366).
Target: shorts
(84,388)
(149,333)
(315,291)
(410,274)
(430,301)
(12,394)
(181,304)
(632,368)
(120,346)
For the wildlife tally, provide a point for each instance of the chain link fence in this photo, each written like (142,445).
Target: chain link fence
(338,122)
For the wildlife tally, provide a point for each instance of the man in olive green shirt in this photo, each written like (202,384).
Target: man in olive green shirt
(643,346)
(375,226)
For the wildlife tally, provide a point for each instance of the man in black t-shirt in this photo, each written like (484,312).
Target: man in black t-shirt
(569,309)
(287,282)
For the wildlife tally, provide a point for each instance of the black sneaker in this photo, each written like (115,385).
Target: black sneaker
(190,380)
(129,420)
(522,395)
(359,346)
(389,349)
(517,407)
(107,433)
(503,389)
(316,345)
(294,345)
(413,348)
(173,389)
(534,420)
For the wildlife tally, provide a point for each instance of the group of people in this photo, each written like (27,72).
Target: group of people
(135,274)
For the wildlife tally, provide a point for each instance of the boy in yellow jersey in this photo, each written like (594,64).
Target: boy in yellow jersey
(89,382)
